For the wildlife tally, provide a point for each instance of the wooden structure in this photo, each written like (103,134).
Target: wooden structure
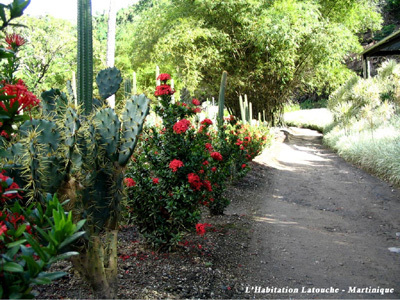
(388,46)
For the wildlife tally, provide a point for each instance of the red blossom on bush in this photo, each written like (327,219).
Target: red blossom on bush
(216,156)
(164,77)
(156,180)
(14,41)
(164,89)
(201,228)
(129,182)
(207,185)
(175,164)
(214,169)
(3,228)
(196,102)
(196,110)
(205,163)
(209,147)
(206,122)
(26,99)
(244,166)
(194,181)
(181,126)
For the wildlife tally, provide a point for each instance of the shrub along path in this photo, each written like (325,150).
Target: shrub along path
(302,219)
(319,223)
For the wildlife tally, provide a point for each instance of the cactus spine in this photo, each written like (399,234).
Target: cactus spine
(221,99)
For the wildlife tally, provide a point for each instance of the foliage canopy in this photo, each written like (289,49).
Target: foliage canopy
(270,49)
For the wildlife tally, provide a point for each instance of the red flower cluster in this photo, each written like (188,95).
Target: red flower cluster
(209,147)
(164,77)
(181,126)
(216,156)
(12,219)
(8,188)
(14,41)
(175,164)
(156,180)
(206,122)
(207,185)
(164,89)
(201,228)
(194,181)
(26,99)
(196,102)
(129,182)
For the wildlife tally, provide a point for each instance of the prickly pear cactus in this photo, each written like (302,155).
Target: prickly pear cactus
(133,117)
(108,81)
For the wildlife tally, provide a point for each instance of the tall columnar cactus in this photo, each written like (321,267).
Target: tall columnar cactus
(85,55)
(221,99)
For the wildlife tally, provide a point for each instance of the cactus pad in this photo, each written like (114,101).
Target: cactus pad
(136,110)
(108,81)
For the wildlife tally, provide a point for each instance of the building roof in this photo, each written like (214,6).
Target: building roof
(388,46)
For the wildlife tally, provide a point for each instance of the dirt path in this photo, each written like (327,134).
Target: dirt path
(320,223)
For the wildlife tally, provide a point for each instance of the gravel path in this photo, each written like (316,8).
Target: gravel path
(322,228)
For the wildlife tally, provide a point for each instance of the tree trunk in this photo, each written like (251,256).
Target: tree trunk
(112,24)
(98,265)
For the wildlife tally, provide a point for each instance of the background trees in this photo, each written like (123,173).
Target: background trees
(270,49)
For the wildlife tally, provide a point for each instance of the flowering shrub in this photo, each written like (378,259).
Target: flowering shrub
(14,95)
(237,144)
(172,181)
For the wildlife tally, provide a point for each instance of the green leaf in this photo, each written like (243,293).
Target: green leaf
(33,267)
(13,267)
(3,18)
(16,243)
(71,238)
(5,53)
(63,256)
(36,246)
(52,276)
(42,280)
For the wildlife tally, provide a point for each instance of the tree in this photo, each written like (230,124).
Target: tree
(48,58)
(269,48)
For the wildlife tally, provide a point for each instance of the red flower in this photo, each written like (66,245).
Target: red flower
(14,41)
(209,147)
(201,228)
(196,102)
(196,110)
(3,228)
(164,77)
(207,185)
(129,182)
(216,156)
(26,99)
(244,166)
(175,164)
(206,122)
(194,181)
(181,126)
(156,180)
(164,89)
(214,169)
(205,163)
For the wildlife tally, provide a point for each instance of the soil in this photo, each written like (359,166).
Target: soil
(302,224)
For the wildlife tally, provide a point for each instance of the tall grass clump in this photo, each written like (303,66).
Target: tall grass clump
(366,127)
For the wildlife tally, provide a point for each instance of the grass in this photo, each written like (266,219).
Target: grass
(377,151)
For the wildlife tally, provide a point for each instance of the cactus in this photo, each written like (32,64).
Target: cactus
(221,99)
(85,55)
(82,158)
(108,81)
(185,96)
